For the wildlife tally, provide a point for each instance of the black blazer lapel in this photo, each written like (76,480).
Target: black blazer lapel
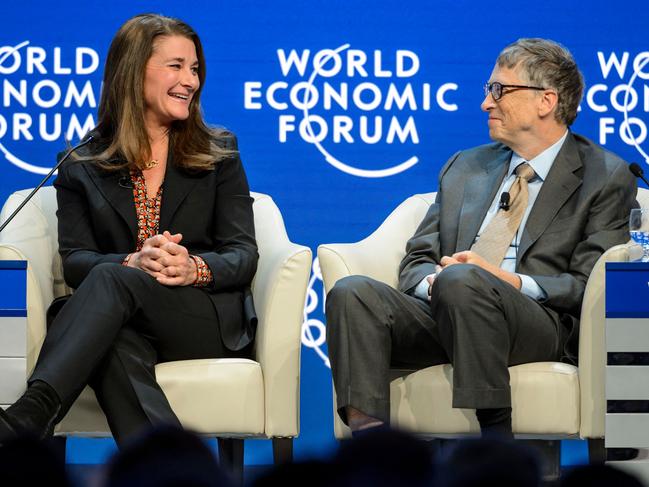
(560,184)
(479,191)
(177,185)
(117,188)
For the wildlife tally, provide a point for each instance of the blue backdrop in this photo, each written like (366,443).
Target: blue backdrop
(342,108)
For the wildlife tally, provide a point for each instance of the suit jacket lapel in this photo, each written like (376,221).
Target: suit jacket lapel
(560,184)
(479,191)
(117,189)
(177,185)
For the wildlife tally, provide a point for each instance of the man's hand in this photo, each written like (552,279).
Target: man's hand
(470,257)
(431,280)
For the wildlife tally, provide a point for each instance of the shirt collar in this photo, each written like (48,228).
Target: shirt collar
(541,163)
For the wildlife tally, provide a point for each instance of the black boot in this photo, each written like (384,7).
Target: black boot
(34,414)
(496,422)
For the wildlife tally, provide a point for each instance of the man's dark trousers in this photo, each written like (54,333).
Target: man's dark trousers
(474,320)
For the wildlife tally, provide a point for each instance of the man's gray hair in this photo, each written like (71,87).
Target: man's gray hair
(547,64)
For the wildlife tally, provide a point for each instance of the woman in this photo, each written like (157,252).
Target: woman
(156,234)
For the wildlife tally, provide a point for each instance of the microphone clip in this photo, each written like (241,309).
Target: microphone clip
(504,201)
(125,182)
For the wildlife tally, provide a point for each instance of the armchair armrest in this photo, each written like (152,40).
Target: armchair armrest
(592,350)
(279,290)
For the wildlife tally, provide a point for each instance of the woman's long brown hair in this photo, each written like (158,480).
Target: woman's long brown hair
(121,107)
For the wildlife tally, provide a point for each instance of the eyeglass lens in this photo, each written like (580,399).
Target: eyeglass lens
(495,88)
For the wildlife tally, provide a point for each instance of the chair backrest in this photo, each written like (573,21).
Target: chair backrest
(388,241)
(392,235)
(35,232)
(643,197)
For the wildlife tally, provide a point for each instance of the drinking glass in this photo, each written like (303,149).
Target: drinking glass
(639,229)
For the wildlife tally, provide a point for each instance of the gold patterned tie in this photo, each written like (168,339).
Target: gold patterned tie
(499,233)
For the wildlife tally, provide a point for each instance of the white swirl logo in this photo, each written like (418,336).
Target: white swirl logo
(622,98)
(630,102)
(310,325)
(349,169)
(46,96)
(345,97)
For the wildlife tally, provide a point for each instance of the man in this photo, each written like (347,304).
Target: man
(495,274)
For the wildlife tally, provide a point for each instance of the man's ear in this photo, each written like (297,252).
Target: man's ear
(548,103)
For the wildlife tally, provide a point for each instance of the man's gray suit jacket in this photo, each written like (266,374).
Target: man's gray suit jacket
(582,210)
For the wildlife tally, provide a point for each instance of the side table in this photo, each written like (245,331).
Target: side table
(13,326)
(627,335)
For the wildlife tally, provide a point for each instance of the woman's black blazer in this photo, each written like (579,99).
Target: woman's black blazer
(97,223)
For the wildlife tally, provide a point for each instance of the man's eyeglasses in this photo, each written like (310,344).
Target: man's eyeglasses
(496,89)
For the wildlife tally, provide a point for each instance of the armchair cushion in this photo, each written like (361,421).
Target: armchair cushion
(545,394)
(213,396)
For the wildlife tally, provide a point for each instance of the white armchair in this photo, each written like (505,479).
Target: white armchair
(231,399)
(550,400)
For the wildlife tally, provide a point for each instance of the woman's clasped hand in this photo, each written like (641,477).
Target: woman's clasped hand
(163,257)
